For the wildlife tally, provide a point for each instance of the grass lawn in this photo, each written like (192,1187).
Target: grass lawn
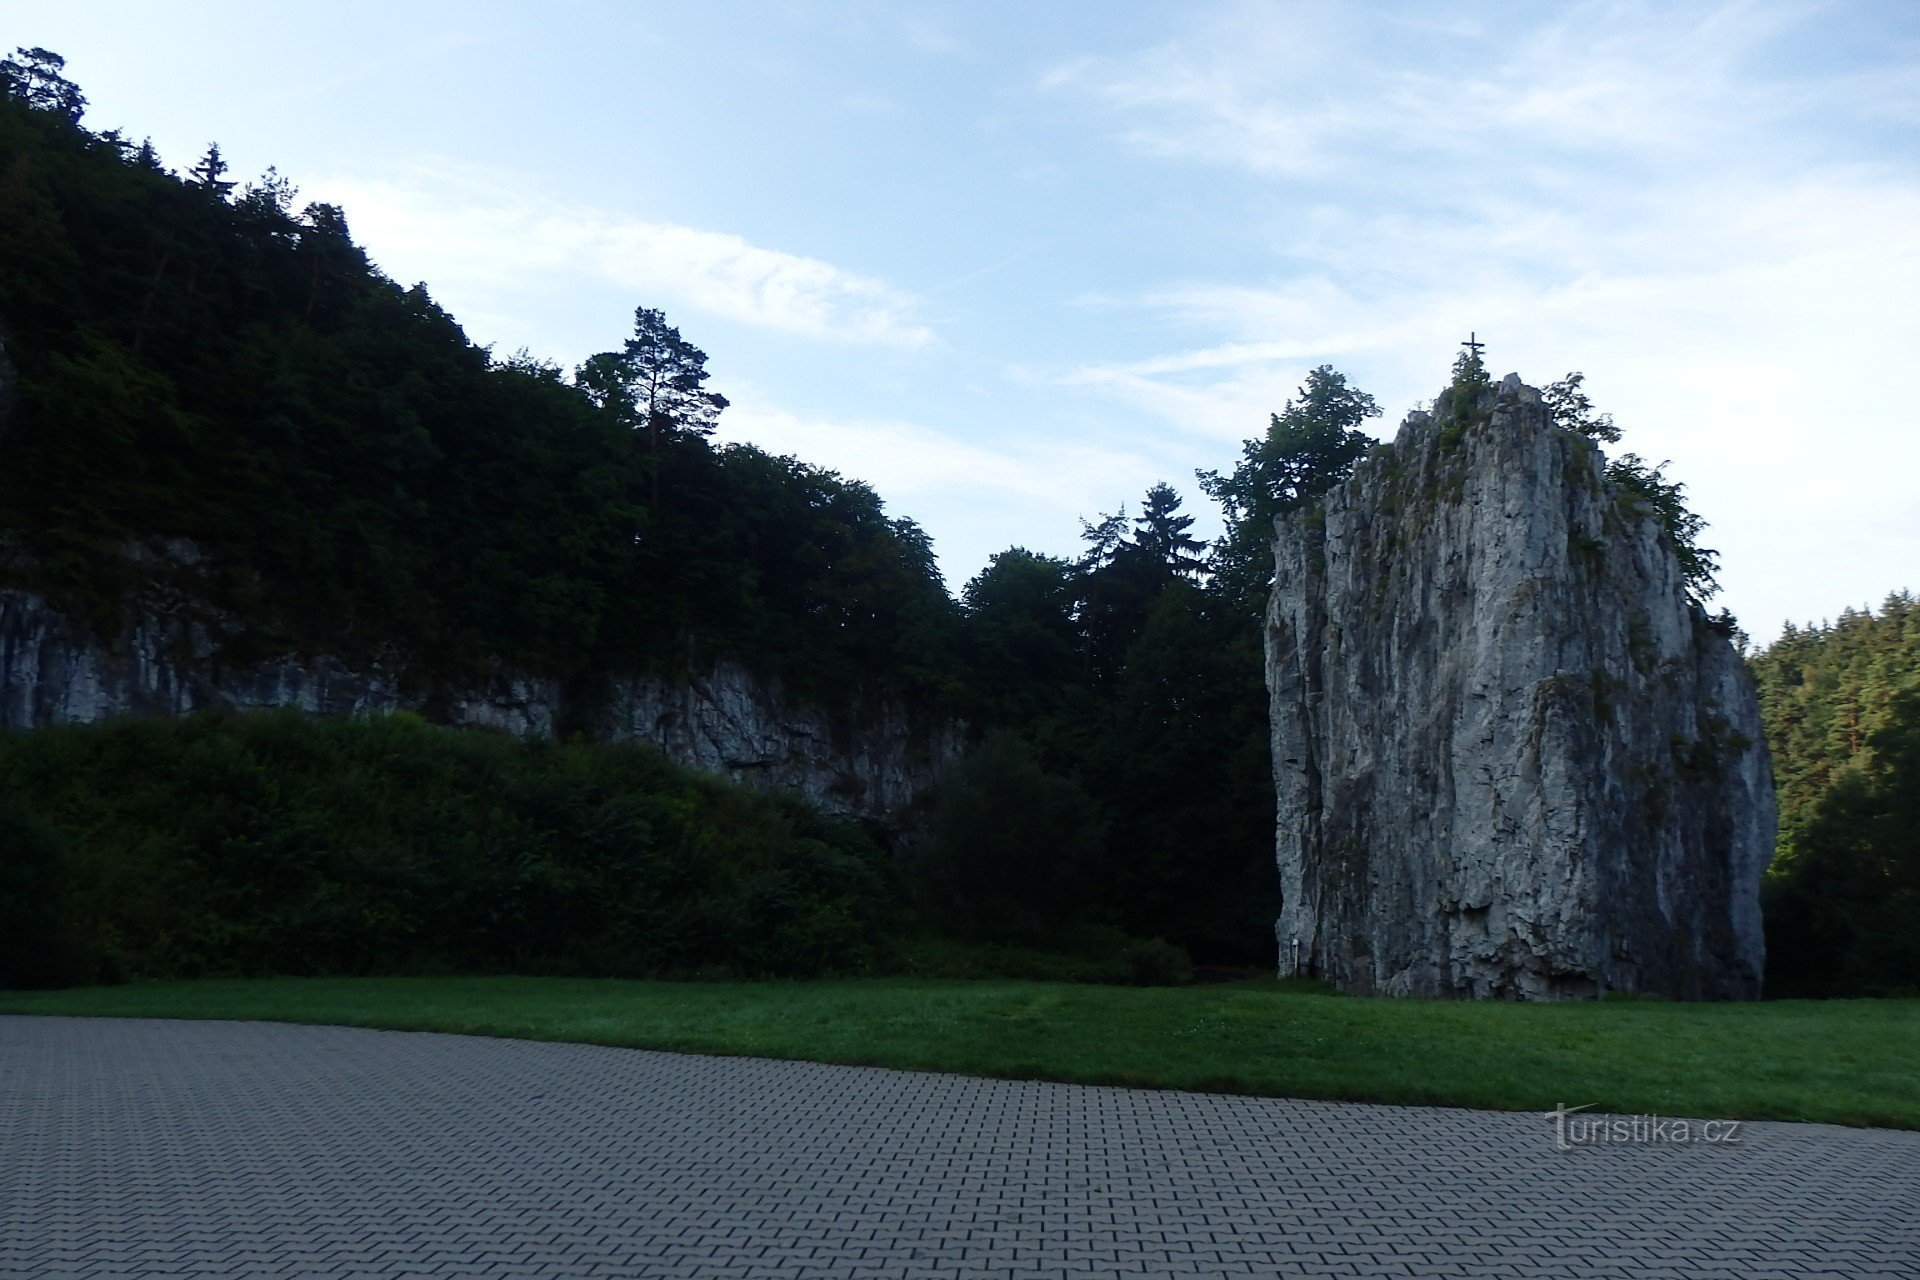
(1846,1061)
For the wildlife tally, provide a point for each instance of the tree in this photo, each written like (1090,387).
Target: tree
(1123,571)
(1014,850)
(1642,485)
(1309,447)
(1020,629)
(1647,491)
(656,382)
(1161,535)
(34,76)
(270,199)
(1825,690)
(1845,918)
(210,173)
(1573,410)
(1104,537)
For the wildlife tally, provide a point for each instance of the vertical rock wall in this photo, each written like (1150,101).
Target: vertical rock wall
(873,762)
(1511,757)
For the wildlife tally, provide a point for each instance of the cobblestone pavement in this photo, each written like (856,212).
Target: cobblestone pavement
(149,1147)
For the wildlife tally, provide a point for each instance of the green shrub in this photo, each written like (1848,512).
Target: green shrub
(275,843)
(1154,962)
(38,944)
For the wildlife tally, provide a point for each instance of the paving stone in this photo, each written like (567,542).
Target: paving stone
(148,1147)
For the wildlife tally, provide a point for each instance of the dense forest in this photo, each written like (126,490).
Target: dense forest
(199,361)
(1841,703)
(214,387)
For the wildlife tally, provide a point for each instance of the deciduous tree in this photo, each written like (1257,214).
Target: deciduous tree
(1310,446)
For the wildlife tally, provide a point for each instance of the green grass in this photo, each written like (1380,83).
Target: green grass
(1849,1061)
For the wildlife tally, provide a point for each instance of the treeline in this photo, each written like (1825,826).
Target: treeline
(1841,703)
(1125,776)
(213,387)
(205,361)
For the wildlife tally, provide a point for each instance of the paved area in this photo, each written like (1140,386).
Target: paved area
(146,1147)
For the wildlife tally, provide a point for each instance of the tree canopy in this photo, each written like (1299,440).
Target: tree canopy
(1642,486)
(202,366)
(36,79)
(1309,446)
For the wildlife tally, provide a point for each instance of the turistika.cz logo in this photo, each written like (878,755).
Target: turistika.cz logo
(1571,1130)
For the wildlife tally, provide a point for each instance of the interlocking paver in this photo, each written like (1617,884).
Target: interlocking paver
(133,1147)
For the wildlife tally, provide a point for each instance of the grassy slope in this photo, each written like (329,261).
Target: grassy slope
(1849,1062)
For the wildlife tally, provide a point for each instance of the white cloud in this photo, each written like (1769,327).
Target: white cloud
(925,35)
(1295,89)
(909,460)
(485,235)
(1618,189)
(974,499)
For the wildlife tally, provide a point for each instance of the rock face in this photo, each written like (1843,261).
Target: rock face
(872,762)
(1512,757)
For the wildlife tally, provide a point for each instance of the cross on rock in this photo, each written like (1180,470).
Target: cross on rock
(1473,348)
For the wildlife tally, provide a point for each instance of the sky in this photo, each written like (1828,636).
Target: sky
(1013,263)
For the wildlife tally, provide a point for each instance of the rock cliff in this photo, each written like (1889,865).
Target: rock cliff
(168,658)
(1512,757)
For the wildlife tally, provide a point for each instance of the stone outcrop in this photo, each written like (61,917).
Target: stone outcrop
(872,759)
(872,762)
(1512,756)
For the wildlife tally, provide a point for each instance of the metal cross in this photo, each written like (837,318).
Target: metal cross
(1472,346)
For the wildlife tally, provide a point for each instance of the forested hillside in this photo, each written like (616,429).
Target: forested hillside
(204,360)
(1842,707)
(215,392)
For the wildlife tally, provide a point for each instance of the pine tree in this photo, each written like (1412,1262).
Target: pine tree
(210,173)
(35,77)
(1161,534)
(656,382)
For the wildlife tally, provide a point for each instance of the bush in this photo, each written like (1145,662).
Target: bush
(38,947)
(279,844)
(1154,962)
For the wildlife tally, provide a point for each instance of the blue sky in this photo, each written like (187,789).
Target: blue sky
(1014,263)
